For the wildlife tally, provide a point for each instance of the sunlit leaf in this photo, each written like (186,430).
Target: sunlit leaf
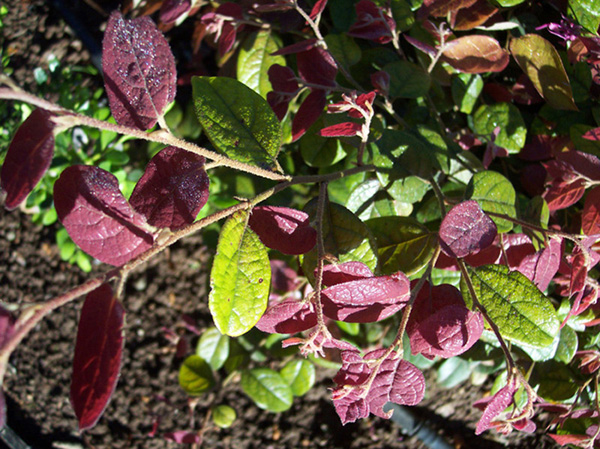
(541,62)
(240,278)
(213,347)
(97,359)
(300,376)
(506,117)
(519,309)
(237,120)
(496,194)
(476,54)
(255,59)
(223,416)
(139,71)
(97,216)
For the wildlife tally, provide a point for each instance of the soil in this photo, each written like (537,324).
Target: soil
(172,286)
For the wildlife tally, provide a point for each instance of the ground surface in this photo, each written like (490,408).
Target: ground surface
(157,296)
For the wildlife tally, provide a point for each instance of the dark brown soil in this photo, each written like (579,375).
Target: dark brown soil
(172,285)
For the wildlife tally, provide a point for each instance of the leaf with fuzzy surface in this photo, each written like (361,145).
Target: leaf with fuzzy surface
(28,157)
(139,71)
(345,272)
(466,230)
(288,317)
(97,359)
(172,190)
(366,300)
(476,54)
(495,406)
(97,216)
(366,384)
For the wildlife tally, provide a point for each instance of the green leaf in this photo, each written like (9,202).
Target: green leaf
(557,382)
(587,14)
(403,244)
(567,346)
(195,375)
(507,117)
(407,80)
(300,376)
(521,311)
(345,237)
(466,88)
(240,278)
(267,389)
(509,3)
(223,416)
(254,60)
(453,372)
(213,347)
(494,193)
(237,120)
(541,62)
(319,151)
(402,14)
(411,189)
(343,48)
(361,194)
(581,144)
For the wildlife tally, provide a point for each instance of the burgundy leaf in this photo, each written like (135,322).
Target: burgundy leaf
(98,217)
(372,23)
(590,217)
(422,46)
(517,247)
(172,190)
(495,406)
(466,230)
(440,8)
(341,129)
(345,272)
(317,67)
(283,278)
(171,10)
(282,79)
(288,317)
(318,9)
(366,384)
(227,38)
(28,157)
(473,16)
(562,194)
(97,358)
(381,82)
(284,229)
(366,300)
(298,47)
(592,134)
(584,164)
(7,322)
(139,71)
(440,324)
(579,271)
(308,112)
(541,267)
(575,439)
(183,437)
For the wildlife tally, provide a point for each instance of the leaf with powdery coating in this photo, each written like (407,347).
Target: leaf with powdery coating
(97,359)
(345,272)
(284,229)
(288,317)
(366,300)
(172,190)
(476,54)
(97,216)
(139,71)
(440,324)
(366,384)
(28,157)
(466,230)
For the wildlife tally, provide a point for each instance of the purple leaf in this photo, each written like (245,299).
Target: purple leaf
(466,230)
(345,272)
(7,322)
(288,317)
(317,67)
(97,359)
(172,190)
(183,437)
(495,406)
(171,10)
(284,229)
(298,47)
(318,8)
(372,23)
(541,266)
(366,384)
(440,324)
(98,217)
(28,157)
(283,278)
(308,112)
(366,300)
(139,71)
